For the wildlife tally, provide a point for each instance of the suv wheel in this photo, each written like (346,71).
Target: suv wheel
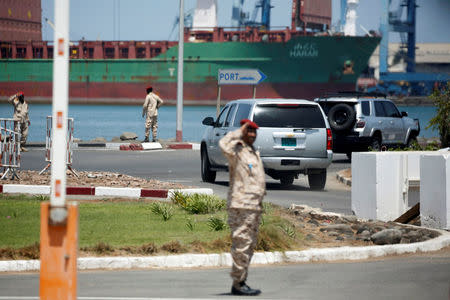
(411,142)
(317,180)
(287,180)
(207,174)
(375,144)
(341,117)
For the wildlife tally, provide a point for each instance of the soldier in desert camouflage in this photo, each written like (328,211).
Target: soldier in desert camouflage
(245,195)
(150,110)
(21,118)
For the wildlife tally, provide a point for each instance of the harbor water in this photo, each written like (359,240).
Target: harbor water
(108,121)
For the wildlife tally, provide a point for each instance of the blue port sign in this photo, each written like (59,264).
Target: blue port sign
(240,76)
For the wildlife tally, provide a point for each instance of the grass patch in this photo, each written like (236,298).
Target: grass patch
(133,228)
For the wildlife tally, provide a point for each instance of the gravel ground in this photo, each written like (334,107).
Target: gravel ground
(93,179)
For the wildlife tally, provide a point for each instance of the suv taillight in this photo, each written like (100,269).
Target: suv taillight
(329,140)
(360,124)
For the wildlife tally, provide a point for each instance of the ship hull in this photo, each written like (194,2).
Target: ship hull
(304,67)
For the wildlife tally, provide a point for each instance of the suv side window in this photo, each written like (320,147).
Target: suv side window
(391,110)
(230,115)
(365,108)
(221,119)
(379,109)
(242,113)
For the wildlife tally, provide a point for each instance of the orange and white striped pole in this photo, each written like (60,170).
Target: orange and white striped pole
(59,220)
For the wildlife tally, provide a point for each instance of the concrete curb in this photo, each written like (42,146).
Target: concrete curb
(116,146)
(341,178)
(100,191)
(224,259)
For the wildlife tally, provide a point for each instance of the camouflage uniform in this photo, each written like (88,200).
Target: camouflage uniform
(247,189)
(151,105)
(21,116)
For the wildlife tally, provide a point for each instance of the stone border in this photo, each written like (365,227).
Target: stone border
(100,191)
(343,179)
(224,259)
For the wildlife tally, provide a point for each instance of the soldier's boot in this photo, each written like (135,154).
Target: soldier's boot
(154,140)
(145,140)
(243,289)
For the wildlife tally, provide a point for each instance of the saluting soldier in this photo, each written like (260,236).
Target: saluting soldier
(151,105)
(21,117)
(246,191)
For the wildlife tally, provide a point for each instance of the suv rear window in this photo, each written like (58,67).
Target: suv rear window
(288,116)
(365,108)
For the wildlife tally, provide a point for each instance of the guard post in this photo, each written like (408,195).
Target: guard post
(238,77)
(59,220)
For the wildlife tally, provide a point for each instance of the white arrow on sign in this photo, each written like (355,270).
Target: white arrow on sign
(240,76)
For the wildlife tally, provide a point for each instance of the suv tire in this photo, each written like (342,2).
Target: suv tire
(317,180)
(375,144)
(341,116)
(287,180)
(207,174)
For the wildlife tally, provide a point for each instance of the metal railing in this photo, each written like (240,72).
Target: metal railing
(48,145)
(9,147)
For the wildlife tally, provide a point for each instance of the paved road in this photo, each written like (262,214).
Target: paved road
(410,278)
(183,166)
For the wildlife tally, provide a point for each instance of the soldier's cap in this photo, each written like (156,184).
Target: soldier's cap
(20,94)
(149,87)
(251,124)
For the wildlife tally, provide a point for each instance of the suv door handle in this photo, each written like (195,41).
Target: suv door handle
(379,122)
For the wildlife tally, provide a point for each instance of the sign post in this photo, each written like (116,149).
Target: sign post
(59,220)
(240,77)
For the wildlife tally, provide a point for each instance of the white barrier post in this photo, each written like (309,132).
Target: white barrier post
(9,147)
(59,219)
(435,190)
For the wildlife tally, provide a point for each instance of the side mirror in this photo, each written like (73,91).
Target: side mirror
(404,114)
(209,121)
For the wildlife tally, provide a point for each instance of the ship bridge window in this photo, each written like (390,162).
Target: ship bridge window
(109,52)
(123,52)
(50,52)
(38,52)
(140,52)
(6,52)
(21,52)
(88,52)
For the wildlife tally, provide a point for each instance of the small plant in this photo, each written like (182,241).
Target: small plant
(199,203)
(289,230)
(162,209)
(41,198)
(216,224)
(267,207)
(190,224)
(179,198)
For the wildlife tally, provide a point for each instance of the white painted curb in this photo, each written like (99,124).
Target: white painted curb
(117,192)
(26,189)
(195,146)
(224,259)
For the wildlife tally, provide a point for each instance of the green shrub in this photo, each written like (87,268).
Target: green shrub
(162,209)
(441,121)
(198,203)
(216,224)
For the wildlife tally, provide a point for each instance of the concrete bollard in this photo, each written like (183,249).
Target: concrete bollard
(435,190)
(379,185)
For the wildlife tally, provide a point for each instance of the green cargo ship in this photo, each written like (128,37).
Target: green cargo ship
(303,67)
(303,61)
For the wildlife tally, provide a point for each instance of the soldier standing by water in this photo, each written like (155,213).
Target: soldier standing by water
(245,194)
(150,108)
(21,117)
